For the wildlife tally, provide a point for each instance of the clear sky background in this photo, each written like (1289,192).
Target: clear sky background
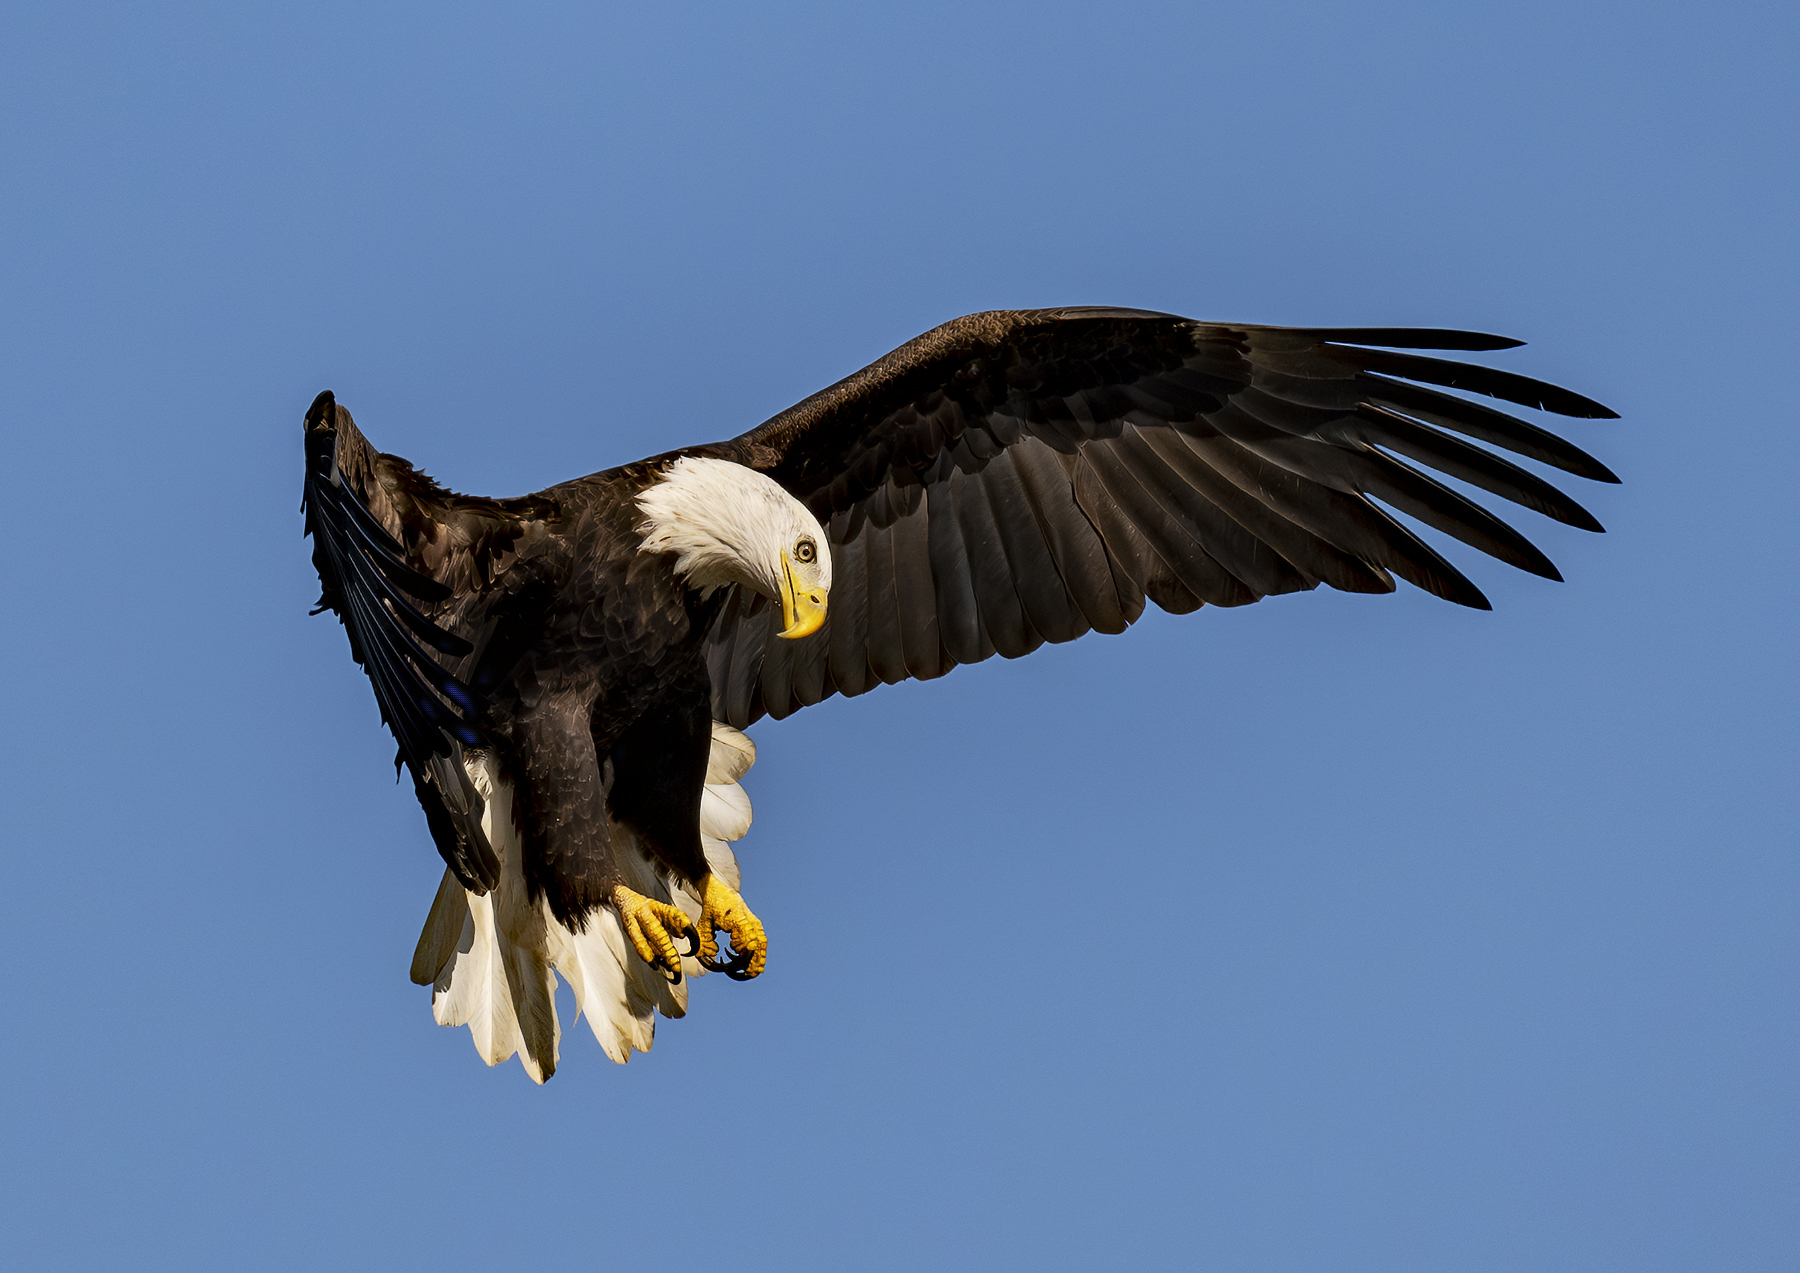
(1336,933)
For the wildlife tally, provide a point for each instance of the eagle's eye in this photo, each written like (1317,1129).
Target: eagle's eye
(804,551)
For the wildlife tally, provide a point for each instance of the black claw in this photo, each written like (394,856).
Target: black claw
(733,968)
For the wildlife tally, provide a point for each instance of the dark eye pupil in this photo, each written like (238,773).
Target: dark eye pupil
(804,551)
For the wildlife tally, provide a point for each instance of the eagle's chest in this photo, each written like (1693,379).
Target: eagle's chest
(624,635)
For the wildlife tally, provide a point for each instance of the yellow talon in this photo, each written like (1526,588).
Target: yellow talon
(722,910)
(652,927)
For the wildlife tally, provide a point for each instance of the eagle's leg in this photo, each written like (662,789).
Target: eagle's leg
(652,927)
(722,910)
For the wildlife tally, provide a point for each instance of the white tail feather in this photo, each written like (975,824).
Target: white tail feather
(593,963)
(444,929)
(470,989)
(490,959)
(496,979)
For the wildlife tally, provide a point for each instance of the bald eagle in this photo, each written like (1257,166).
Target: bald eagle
(567,673)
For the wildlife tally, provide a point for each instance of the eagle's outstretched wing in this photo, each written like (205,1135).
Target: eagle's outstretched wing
(1017,477)
(398,558)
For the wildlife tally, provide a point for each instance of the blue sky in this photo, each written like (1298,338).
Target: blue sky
(1332,933)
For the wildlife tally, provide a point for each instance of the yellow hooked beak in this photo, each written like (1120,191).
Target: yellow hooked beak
(803,612)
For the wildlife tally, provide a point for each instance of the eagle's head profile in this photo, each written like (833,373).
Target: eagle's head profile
(728,524)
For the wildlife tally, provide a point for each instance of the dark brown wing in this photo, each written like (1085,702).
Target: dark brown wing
(402,563)
(1012,478)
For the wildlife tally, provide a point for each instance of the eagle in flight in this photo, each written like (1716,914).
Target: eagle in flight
(567,673)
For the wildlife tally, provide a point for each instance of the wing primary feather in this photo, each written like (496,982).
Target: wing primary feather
(422,668)
(1349,522)
(1315,557)
(1171,542)
(1356,468)
(1453,456)
(1475,420)
(418,696)
(1413,338)
(406,688)
(1246,557)
(1474,379)
(1359,469)
(1323,442)
(381,544)
(428,632)
(1435,504)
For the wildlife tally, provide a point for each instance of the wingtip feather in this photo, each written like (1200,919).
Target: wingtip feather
(1419,338)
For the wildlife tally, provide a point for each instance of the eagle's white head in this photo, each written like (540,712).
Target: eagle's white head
(729,524)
